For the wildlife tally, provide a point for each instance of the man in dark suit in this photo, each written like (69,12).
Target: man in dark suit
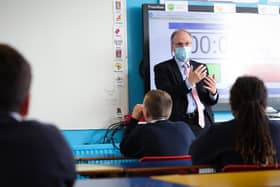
(192,90)
(33,154)
(158,136)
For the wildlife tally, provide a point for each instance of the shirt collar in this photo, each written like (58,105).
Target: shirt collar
(181,64)
(16,116)
(154,121)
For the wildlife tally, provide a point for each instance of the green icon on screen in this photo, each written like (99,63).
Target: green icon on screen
(170,7)
(214,69)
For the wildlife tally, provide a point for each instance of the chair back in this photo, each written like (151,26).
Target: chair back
(162,158)
(249,167)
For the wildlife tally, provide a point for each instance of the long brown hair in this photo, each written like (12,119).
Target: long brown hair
(248,98)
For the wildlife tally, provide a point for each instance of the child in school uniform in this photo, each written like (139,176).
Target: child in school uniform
(158,136)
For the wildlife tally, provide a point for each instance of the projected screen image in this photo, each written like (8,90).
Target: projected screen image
(230,44)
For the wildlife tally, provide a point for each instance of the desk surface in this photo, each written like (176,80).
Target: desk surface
(229,179)
(95,169)
(160,167)
(124,182)
(139,168)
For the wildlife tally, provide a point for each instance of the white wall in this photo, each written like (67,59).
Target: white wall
(70,46)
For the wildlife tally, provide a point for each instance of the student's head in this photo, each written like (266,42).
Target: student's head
(248,93)
(15,80)
(248,102)
(157,105)
(181,45)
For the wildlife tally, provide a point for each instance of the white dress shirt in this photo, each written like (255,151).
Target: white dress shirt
(191,102)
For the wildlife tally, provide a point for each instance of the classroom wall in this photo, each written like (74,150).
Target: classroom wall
(79,81)
(135,50)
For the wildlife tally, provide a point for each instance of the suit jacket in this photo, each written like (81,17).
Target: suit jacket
(169,78)
(34,154)
(156,139)
(216,145)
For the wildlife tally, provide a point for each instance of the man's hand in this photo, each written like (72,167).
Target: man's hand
(210,84)
(198,74)
(137,111)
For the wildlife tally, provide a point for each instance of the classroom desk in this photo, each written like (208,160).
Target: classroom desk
(124,182)
(228,179)
(161,167)
(94,170)
(140,168)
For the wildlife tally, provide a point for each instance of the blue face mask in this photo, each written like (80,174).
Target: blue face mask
(183,53)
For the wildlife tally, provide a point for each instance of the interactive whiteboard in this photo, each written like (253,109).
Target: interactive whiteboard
(230,44)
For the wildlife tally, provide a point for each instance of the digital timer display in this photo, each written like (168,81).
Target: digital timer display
(209,44)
